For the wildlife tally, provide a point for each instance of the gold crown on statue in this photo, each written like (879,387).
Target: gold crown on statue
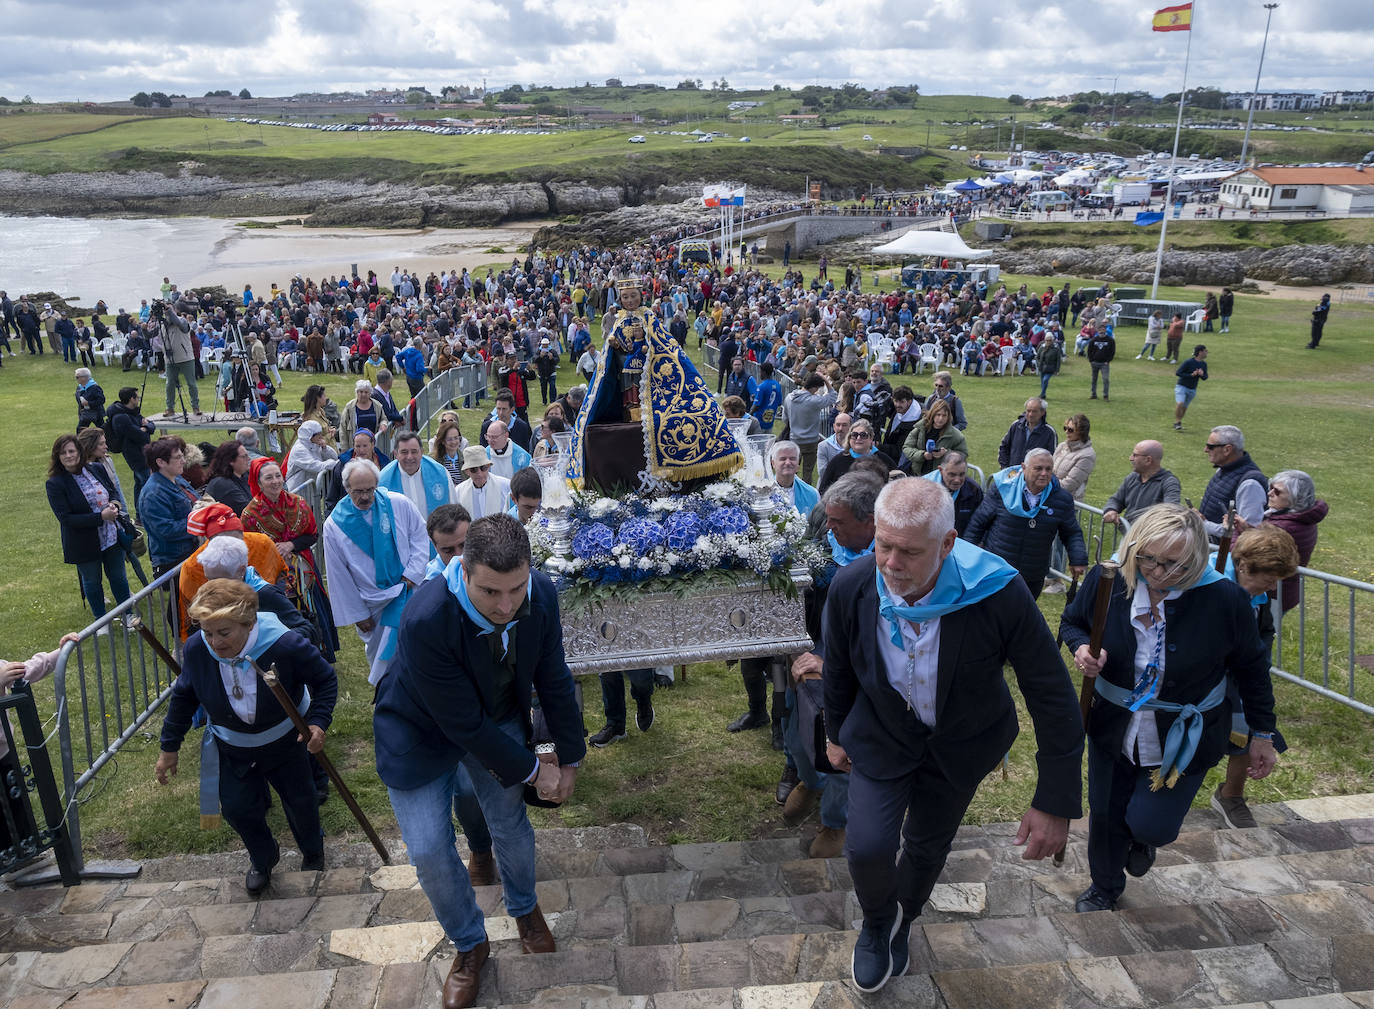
(628,284)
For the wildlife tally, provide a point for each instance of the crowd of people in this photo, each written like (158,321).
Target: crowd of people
(428,560)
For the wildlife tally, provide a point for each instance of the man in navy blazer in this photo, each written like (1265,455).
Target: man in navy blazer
(474,646)
(917,710)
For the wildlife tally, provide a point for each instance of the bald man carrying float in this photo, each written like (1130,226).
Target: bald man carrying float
(918,713)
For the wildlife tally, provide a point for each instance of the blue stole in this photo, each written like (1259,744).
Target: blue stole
(254,581)
(1011,487)
(1180,743)
(872,449)
(269,630)
(377,540)
(933,476)
(968,574)
(841,554)
(373,538)
(458,585)
(519,458)
(804,496)
(433,477)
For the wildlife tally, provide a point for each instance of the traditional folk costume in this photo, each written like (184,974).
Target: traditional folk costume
(288,519)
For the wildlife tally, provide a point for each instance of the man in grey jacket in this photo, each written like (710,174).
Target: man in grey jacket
(181,357)
(1148,484)
(805,409)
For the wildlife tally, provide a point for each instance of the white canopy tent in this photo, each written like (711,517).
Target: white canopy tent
(930,243)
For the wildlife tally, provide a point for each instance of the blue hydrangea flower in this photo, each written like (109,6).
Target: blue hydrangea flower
(640,535)
(727,520)
(683,529)
(594,539)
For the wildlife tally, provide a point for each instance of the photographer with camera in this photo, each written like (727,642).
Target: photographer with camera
(175,331)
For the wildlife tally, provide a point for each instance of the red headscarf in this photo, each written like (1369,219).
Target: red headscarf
(255,470)
(212,520)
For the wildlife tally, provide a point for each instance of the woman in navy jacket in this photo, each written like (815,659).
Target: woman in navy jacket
(87,508)
(1160,717)
(250,742)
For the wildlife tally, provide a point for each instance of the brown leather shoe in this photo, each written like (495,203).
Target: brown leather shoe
(829,843)
(535,936)
(800,803)
(482,868)
(465,977)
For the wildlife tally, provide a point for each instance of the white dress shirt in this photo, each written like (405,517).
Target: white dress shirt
(246,707)
(1142,732)
(913,668)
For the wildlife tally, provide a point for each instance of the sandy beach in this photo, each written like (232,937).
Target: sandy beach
(124,259)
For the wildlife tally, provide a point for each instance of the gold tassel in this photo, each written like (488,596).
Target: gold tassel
(728,464)
(210,821)
(1240,739)
(1158,781)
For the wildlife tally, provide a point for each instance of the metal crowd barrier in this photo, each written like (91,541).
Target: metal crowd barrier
(1090,519)
(106,687)
(1296,646)
(711,359)
(27,769)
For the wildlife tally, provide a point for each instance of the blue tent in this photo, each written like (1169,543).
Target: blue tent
(1005,179)
(968,186)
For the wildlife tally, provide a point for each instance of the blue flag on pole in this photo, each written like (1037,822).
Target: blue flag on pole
(1146,218)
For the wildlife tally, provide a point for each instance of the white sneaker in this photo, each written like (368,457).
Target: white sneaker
(1139,356)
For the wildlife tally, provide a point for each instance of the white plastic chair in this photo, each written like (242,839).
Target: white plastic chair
(1194,323)
(930,355)
(1005,359)
(107,350)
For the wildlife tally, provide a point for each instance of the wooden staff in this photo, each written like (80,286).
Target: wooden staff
(269,676)
(1224,542)
(1107,572)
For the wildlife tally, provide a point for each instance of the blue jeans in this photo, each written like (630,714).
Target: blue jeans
(613,692)
(68,349)
(112,560)
(834,788)
(425,817)
(1045,377)
(469,813)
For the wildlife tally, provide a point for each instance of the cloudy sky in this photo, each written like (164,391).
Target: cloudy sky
(109,49)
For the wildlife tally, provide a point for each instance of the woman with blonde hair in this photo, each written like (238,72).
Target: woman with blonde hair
(250,742)
(1176,629)
(933,437)
(448,447)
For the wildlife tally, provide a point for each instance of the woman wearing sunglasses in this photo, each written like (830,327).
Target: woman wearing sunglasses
(1160,716)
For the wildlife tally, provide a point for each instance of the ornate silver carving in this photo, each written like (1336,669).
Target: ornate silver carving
(662,629)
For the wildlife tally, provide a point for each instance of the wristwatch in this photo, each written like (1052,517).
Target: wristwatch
(1269,736)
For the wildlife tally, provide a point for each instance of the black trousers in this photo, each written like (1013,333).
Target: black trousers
(922,810)
(243,799)
(1122,809)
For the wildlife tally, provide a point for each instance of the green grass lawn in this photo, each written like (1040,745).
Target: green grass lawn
(688,779)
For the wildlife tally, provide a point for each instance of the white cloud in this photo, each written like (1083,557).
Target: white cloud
(109,50)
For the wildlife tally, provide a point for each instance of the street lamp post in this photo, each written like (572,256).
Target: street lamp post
(1254,95)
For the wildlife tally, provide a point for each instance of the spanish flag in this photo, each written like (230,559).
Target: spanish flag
(1174,19)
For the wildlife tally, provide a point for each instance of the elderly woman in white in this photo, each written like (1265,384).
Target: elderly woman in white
(311,455)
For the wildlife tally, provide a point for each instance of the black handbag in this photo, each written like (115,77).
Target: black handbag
(131,537)
(811,722)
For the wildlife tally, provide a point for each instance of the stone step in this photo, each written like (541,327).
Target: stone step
(1328,970)
(675,905)
(723,955)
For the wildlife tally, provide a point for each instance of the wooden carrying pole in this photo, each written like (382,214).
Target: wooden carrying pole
(1107,572)
(1224,541)
(269,676)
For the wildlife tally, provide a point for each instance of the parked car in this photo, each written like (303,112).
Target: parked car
(636,139)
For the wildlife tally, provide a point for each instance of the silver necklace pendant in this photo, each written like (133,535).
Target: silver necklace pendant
(1030,524)
(238,691)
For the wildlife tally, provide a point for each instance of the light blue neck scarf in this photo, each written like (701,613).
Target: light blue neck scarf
(842,554)
(1011,487)
(458,585)
(968,575)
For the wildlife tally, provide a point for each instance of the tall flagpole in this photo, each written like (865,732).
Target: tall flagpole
(1173,161)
